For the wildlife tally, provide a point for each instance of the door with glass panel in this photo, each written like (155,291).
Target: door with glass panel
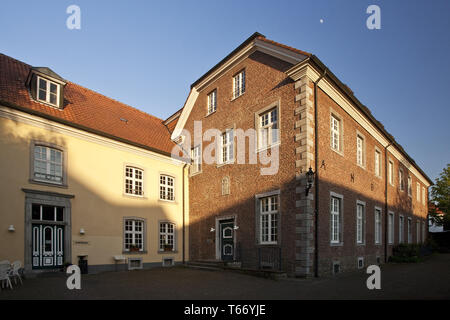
(47,236)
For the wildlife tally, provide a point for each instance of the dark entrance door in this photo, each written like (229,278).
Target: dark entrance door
(227,240)
(48,246)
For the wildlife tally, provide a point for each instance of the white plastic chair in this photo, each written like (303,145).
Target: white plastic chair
(14,271)
(4,275)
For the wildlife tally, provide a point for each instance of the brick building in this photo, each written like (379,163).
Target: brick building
(368,194)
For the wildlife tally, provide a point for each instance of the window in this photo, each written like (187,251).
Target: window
(48,91)
(335,220)
(48,164)
(166,188)
(391,228)
(423,195)
(409,231)
(239,84)
(225,186)
(134,235)
(418,192)
(377,163)
(391,172)
(226,146)
(409,186)
(423,231)
(269,219)
(135,264)
(360,262)
(212,102)
(166,236)
(401,182)
(401,228)
(360,150)
(377,226)
(268,128)
(47,213)
(335,133)
(196,156)
(134,181)
(418,231)
(360,223)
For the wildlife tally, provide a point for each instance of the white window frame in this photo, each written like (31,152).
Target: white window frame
(391,172)
(196,156)
(135,181)
(391,225)
(212,102)
(409,186)
(271,127)
(378,225)
(418,191)
(401,229)
(377,162)
(271,214)
(226,147)
(423,195)
(239,84)
(166,188)
(360,222)
(360,156)
(335,135)
(135,222)
(47,91)
(336,208)
(48,164)
(401,180)
(165,234)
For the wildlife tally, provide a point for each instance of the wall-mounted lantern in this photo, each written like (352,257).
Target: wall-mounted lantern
(212,230)
(11,228)
(309,180)
(82,231)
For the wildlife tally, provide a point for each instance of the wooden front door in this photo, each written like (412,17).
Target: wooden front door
(227,240)
(48,246)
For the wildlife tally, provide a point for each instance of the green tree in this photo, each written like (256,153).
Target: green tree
(440,197)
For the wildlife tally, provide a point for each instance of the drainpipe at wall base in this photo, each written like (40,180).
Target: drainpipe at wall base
(183,209)
(386,215)
(316,169)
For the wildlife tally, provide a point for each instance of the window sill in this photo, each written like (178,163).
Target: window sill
(168,201)
(134,252)
(167,252)
(195,173)
(209,114)
(339,152)
(232,99)
(276,144)
(225,163)
(274,244)
(132,196)
(339,244)
(49,184)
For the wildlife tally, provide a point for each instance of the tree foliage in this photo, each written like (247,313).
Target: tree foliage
(440,197)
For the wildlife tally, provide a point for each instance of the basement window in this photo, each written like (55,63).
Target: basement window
(135,264)
(168,262)
(336,267)
(360,262)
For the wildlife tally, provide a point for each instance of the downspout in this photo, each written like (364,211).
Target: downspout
(386,215)
(183,209)
(316,169)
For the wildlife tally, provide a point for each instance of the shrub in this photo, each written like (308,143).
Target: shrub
(406,253)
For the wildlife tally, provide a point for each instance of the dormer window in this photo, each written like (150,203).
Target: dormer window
(46,87)
(48,91)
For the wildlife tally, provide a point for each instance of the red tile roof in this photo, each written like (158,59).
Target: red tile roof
(85,109)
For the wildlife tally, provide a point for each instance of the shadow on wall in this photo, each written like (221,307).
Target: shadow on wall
(98,206)
(205,207)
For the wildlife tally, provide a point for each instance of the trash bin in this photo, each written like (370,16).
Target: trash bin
(83,264)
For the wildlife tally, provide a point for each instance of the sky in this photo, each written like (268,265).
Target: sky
(148,53)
